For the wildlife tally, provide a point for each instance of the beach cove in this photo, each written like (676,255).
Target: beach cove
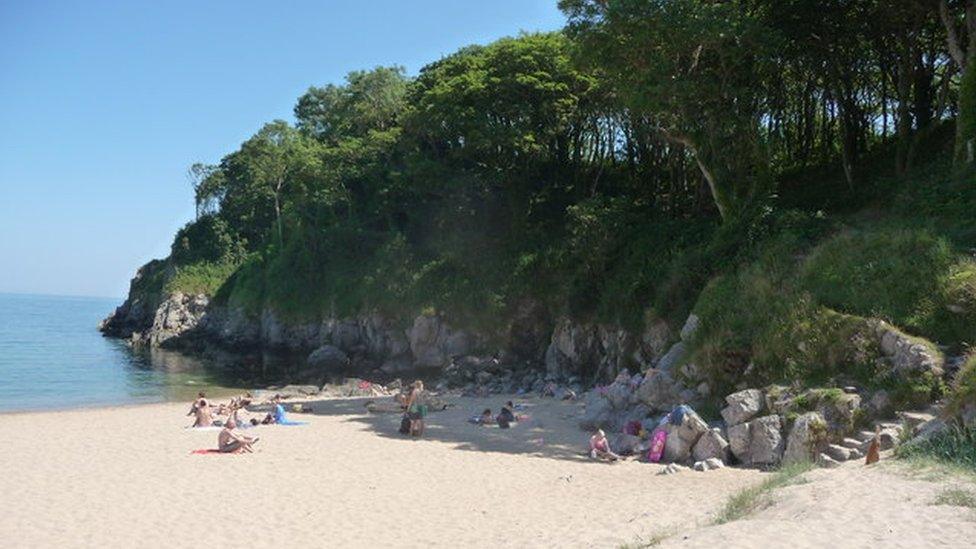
(126,476)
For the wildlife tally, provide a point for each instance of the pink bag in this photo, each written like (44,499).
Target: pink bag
(657,446)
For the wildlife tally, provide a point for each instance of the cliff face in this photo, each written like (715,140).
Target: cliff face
(532,338)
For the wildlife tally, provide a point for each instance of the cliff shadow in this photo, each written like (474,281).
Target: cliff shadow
(549,430)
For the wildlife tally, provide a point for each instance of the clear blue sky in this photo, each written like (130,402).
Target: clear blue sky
(103,106)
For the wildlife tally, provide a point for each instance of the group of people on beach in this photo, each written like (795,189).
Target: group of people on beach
(505,418)
(230,440)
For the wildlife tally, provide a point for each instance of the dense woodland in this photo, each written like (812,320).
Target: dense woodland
(779,166)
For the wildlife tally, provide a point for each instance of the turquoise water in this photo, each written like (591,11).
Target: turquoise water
(53,357)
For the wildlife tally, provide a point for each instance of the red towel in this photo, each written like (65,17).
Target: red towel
(203,451)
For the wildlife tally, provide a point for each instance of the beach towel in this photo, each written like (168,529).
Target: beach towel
(657,446)
(205,451)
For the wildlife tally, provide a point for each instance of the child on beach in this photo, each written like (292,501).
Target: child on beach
(600,447)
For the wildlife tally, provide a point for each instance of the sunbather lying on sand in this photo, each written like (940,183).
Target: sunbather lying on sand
(229,441)
(600,447)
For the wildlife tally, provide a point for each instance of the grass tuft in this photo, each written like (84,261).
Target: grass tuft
(758,497)
(956,497)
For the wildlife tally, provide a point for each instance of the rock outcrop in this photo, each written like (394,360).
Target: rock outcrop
(807,438)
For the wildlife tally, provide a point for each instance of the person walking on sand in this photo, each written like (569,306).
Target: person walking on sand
(202,411)
(600,447)
(416,409)
(231,442)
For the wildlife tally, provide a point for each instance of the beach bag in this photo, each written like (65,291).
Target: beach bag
(405,425)
(657,446)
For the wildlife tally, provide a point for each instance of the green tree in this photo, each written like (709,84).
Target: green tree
(370,100)
(956,14)
(698,69)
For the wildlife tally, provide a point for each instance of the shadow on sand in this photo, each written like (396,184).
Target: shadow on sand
(550,431)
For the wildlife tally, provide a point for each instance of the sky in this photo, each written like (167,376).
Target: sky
(104,105)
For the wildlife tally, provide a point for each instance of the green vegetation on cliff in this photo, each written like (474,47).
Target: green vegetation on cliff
(655,158)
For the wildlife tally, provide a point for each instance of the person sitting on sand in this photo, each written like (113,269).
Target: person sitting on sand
(486,417)
(416,409)
(507,416)
(202,411)
(600,447)
(231,442)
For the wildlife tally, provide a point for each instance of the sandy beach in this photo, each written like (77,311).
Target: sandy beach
(125,477)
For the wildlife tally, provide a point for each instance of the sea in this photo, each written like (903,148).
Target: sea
(53,357)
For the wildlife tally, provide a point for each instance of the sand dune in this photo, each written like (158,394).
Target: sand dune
(125,476)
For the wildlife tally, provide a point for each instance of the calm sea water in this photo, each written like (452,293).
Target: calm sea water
(53,357)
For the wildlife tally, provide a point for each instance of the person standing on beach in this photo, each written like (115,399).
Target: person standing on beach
(416,409)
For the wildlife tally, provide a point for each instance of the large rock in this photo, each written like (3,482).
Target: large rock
(759,442)
(683,436)
(328,357)
(177,315)
(742,406)
(659,391)
(434,343)
(620,395)
(840,411)
(739,441)
(765,441)
(906,354)
(711,445)
(590,351)
(806,439)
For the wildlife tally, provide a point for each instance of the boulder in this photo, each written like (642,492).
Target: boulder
(837,452)
(742,406)
(806,439)
(711,445)
(913,421)
(839,410)
(659,391)
(299,390)
(714,463)
(328,357)
(907,354)
(765,441)
(739,441)
(619,394)
(827,462)
(683,436)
